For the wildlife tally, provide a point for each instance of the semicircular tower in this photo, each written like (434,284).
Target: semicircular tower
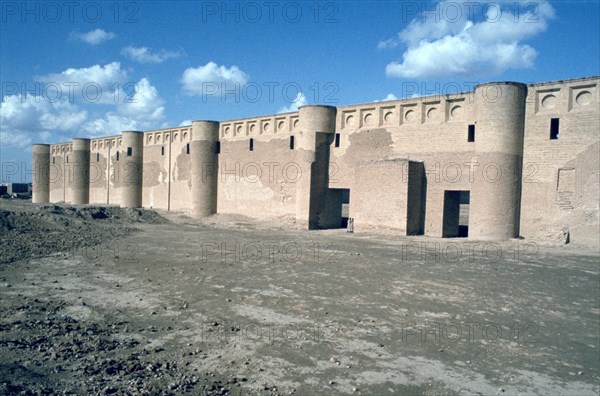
(40,189)
(496,193)
(79,171)
(131,168)
(204,172)
(317,128)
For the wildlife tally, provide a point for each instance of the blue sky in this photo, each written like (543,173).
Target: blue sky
(86,69)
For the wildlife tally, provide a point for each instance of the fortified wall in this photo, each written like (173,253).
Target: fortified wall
(503,161)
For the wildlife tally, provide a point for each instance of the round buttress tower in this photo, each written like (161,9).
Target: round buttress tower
(130,170)
(317,128)
(41,174)
(205,137)
(79,171)
(496,192)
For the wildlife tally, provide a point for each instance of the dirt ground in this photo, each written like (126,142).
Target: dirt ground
(115,301)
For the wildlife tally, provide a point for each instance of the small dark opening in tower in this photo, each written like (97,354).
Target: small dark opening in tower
(251,144)
(67,159)
(162,150)
(53,160)
(337,140)
(217,147)
(117,155)
(129,151)
(291,142)
(463,217)
(471,137)
(345,207)
(97,157)
(455,220)
(554,125)
(187,148)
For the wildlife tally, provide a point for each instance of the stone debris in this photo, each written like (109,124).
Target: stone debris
(67,230)
(69,356)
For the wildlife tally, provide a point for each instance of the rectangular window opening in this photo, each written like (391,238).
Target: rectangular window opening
(291,142)
(217,147)
(97,157)
(162,150)
(53,160)
(129,151)
(67,159)
(554,126)
(337,140)
(251,143)
(187,148)
(471,137)
(117,155)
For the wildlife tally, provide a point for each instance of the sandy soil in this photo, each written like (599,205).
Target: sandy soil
(109,301)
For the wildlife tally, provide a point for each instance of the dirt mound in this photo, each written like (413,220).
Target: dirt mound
(113,214)
(49,229)
(41,345)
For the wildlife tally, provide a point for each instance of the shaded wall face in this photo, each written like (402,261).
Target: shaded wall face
(322,208)
(331,215)
(261,182)
(317,205)
(451,214)
(415,222)
(560,188)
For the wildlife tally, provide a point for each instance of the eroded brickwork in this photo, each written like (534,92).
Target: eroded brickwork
(402,163)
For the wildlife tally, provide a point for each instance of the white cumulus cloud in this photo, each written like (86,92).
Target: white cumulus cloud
(389,43)
(142,110)
(212,79)
(94,37)
(145,102)
(25,118)
(48,117)
(145,55)
(461,44)
(389,96)
(95,84)
(299,100)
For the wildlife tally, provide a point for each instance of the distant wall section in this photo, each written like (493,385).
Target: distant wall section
(561,173)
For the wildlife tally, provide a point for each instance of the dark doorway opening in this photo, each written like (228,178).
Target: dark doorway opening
(417,193)
(345,207)
(463,217)
(456,214)
(336,211)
